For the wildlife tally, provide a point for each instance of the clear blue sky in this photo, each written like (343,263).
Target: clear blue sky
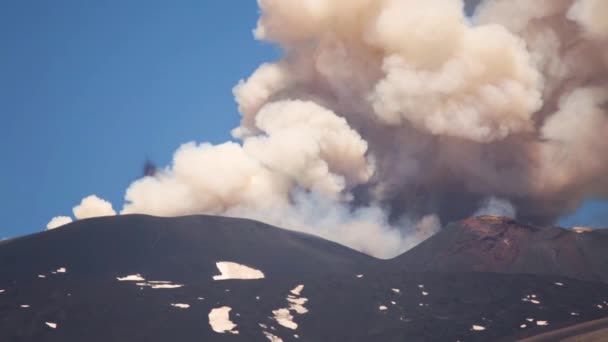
(90,89)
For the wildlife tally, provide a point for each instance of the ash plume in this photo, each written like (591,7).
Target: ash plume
(384,118)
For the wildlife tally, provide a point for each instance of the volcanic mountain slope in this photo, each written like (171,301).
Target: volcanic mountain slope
(139,278)
(185,248)
(497,244)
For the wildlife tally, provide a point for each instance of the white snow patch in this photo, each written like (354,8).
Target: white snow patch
(41,276)
(25,306)
(530,319)
(421,286)
(219,319)
(231,270)
(542,323)
(297,304)
(271,337)
(62,270)
(284,318)
(599,306)
(559,284)
(200,298)
(382,308)
(167,286)
(523,326)
(51,325)
(478,328)
(160,285)
(575,314)
(298,290)
(396,290)
(359,276)
(132,277)
(180,305)
(424,293)
(393,302)
(257,297)
(534,301)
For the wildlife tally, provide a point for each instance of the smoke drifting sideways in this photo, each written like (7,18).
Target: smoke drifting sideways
(384,118)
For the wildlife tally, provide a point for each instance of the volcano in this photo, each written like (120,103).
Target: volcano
(498,244)
(204,278)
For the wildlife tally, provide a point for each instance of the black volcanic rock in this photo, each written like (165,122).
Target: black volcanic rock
(184,248)
(61,286)
(497,244)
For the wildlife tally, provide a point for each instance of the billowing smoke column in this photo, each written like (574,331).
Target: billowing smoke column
(386,116)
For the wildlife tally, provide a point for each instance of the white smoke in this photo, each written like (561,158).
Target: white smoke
(93,206)
(384,117)
(58,221)
(496,207)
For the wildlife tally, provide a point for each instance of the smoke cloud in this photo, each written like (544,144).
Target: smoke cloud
(58,221)
(93,206)
(385,118)
(496,207)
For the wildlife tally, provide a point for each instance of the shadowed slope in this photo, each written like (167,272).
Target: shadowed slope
(184,248)
(62,286)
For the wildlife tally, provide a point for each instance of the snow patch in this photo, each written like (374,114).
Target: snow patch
(478,328)
(284,318)
(231,270)
(219,319)
(160,285)
(382,308)
(359,276)
(61,270)
(396,291)
(297,304)
(132,277)
(297,290)
(272,338)
(51,325)
(559,284)
(41,276)
(167,286)
(542,323)
(180,305)
(24,306)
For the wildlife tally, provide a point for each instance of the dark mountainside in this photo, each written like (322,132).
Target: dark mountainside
(179,248)
(496,244)
(62,285)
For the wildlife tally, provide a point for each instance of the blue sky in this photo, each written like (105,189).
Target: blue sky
(89,90)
